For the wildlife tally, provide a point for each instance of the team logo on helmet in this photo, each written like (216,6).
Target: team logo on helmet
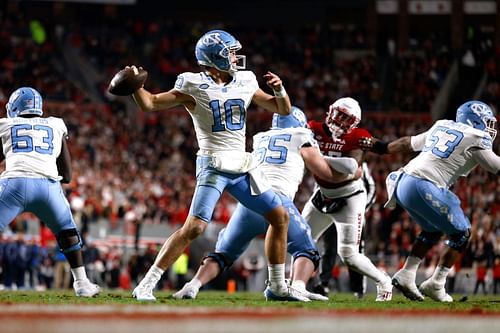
(478,115)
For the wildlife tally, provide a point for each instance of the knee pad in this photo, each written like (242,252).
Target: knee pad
(69,240)
(346,253)
(459,240)
(430,238)
(312,255)
(223,262)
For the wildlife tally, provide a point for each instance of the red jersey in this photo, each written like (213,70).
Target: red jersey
(340,146)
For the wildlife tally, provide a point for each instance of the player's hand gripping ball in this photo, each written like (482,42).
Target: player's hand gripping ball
(127,81)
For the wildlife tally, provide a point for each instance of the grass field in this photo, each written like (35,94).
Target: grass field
(117,311)
(223,300)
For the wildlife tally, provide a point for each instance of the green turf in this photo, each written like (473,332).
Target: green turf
(245,300)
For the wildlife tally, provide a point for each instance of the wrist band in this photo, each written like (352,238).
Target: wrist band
(280,93)
(380,147)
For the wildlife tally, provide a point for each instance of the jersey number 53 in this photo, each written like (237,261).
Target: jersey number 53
(443,141)
(22,142)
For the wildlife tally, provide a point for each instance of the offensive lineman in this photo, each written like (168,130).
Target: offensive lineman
(448,150)
(37,160)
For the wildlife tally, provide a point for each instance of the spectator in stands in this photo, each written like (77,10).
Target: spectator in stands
(481,274)
(496,275)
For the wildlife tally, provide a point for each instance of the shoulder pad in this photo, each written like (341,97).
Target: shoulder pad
(188,79)
(361,132)
(245,75)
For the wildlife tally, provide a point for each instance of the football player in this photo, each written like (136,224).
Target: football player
(37,160)
(344,203)
(217,98)
(285,151)
(357,281)
(448,150)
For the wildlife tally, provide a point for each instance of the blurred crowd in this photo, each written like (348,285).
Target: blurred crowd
(130,167)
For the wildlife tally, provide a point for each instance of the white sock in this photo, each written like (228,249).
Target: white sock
(440,274)
(277,275)
(195,283)
(79,273)
(299,284)
(412,263)
(154,274)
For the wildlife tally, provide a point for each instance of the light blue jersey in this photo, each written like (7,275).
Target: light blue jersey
(279,151)
(30,182)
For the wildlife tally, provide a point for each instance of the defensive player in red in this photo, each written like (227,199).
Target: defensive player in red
(343,203)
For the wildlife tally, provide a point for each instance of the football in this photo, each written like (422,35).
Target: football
(127,81)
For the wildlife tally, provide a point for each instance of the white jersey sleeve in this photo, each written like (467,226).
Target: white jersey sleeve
(417,142)
(447,152)
(279,152)
(31,146)
(219,116)
(487,159)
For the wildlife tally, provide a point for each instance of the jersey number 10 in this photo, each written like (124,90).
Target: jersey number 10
(229,106)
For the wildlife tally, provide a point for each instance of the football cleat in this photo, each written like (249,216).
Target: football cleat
(187,292)
(85,288)
(289,294)
(144,291)
(384,290)
(300,286)
(435,291)
(404,281)
(314,296)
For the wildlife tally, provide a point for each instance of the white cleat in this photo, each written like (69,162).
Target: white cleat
(384,290)
(144,291)
(300,287)
(85,288)
(314,296)
(404,281)
(436,292)
(286,294)
(187,292)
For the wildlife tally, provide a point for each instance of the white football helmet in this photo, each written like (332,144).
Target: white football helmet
(343,115)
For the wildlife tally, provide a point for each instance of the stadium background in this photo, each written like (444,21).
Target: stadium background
(406,62)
